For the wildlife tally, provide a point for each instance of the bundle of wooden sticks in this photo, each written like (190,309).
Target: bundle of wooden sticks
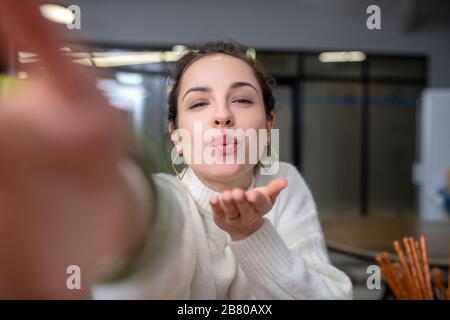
(410,278)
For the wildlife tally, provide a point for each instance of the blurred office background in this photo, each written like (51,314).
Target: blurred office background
(353,126)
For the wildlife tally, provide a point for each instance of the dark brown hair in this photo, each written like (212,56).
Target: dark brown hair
(231,48)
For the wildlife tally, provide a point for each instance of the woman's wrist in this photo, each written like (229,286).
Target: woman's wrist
(134,224)
(242,234)
(140,204)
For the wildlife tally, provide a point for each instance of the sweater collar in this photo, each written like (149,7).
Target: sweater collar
(202,193)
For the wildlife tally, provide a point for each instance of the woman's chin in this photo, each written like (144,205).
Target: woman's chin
(225,171)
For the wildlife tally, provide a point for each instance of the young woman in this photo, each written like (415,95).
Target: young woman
(245,235)
(71,199)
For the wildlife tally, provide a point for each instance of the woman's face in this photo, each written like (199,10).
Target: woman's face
(217,93)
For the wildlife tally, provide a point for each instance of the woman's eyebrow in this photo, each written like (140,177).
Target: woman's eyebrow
(239,84)
(201,89)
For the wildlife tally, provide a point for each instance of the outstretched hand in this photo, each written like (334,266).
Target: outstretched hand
(241,213)
(63,200)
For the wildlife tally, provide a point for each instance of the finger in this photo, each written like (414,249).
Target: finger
(22,23)
(217,207)
(274,188)
(218,213)
(243,205)
(261,202)
(231,212)
(248,214)
(3,51)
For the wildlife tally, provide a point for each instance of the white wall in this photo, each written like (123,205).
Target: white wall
(281,25)
(434,153)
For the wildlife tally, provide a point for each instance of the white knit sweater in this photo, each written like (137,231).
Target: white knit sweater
(285,259)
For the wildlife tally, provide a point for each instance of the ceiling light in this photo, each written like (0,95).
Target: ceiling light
(344,56)
(57,13)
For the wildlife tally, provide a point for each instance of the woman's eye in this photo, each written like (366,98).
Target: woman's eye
(243,100)
(199,104)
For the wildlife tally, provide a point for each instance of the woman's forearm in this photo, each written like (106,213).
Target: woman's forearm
(136,218)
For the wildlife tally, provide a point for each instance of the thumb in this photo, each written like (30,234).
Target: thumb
(274,188)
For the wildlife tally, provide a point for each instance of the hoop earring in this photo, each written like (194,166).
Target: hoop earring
(267,165)
(183,171)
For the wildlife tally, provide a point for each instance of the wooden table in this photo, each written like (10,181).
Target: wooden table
(365,237)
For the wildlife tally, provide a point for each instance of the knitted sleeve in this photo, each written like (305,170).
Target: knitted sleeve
(286,258)
(144,276)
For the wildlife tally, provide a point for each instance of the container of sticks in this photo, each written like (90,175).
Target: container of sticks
(409,276)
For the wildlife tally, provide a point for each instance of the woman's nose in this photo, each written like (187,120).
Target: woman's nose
(223,117)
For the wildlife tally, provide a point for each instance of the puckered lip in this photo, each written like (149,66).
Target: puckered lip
(223,140)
